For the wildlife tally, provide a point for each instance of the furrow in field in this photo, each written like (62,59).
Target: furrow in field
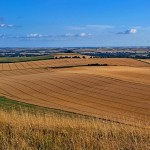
(87,97)
(62,103)
(115,81)
(79,101)
(100,91)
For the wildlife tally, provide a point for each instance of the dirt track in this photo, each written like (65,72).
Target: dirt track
(119,91)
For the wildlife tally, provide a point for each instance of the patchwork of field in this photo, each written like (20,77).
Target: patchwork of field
(120,91)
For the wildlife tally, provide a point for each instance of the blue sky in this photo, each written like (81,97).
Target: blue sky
(69,23)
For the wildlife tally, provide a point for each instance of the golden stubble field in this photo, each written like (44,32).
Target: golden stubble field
(120,91)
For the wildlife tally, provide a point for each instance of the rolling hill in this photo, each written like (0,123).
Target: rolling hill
(117,92)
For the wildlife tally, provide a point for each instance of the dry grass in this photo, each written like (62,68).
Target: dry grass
(26,131)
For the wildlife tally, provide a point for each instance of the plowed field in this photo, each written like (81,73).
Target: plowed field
(120,91)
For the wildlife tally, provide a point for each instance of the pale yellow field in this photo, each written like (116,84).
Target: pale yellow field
(118,92)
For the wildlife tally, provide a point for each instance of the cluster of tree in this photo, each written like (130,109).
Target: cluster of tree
(62,57)
(97,64)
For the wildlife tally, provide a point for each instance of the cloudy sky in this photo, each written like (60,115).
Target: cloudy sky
(65,23)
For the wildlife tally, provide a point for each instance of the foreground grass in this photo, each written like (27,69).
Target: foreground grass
(24,59)
(13,105)
(21,129)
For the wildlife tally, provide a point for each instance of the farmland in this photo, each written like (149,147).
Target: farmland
(99,107)
(117,91)
(146,60)
(23,59)
(70,62)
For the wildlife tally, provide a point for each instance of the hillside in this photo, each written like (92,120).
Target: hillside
(120,91)
(72,62)
(34,130)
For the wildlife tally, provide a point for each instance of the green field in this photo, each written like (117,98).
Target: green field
(24,59)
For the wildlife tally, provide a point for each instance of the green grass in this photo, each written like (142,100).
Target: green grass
(9,105)
(24,59)
(12,104)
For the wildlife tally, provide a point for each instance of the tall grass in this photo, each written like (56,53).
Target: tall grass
(22,130)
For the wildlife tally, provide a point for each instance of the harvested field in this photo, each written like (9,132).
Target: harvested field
(117,92)
(146,60)
(72,62)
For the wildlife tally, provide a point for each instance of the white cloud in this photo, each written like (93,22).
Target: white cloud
(43,37)
(32,35)
(130,31)
(10,25)
(97,27)
(35,35)
(2,25)
(100,27)
(82,35)
(143,28)
(85,35)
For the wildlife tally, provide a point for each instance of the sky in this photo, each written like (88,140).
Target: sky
(74,23)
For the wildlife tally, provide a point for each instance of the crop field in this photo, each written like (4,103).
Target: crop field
(120,91)
(146,60)
(71,62)
(24,59)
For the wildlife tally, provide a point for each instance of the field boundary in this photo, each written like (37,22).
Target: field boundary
(143,61)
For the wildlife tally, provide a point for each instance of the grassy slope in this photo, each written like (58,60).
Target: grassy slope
(9,105)
(24,59)
(31,131)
